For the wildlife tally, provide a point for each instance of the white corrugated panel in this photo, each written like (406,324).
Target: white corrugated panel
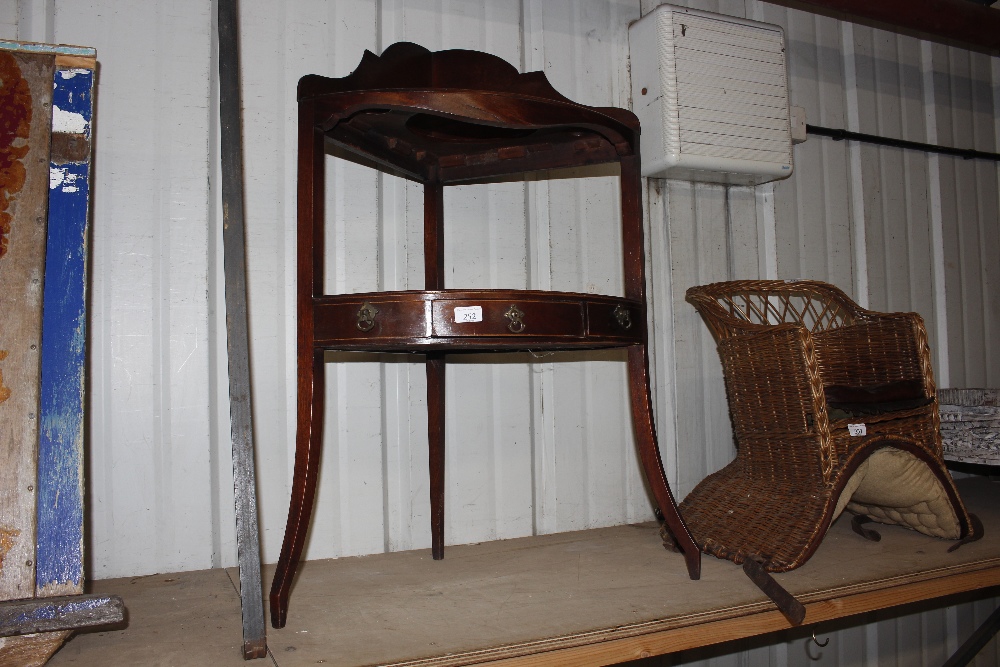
(898,218)
(967,116)
(150,451)
(8,21)
(535,444)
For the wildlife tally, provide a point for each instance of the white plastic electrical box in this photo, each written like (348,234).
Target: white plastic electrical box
(711,93)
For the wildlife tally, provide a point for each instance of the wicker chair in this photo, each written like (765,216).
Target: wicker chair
(832,406)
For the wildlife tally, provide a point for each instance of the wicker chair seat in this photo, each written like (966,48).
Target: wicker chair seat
(833,407)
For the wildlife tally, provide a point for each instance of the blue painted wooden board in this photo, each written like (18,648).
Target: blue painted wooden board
(59,559)
(54,614)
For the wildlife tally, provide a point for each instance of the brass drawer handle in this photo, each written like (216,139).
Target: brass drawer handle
(514,314)
(366,317)
(622,317)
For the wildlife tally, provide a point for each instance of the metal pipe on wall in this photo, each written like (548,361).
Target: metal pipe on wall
(840,135)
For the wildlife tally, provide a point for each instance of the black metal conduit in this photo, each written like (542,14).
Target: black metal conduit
(840,135)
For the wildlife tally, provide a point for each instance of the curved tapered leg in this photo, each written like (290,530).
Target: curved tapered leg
(649,453)
(435,437)
(308,444)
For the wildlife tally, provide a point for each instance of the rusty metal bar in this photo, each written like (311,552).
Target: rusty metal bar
(237,323)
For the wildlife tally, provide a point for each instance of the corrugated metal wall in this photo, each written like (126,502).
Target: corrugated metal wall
(536,445)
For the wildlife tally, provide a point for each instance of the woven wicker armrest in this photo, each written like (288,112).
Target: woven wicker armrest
(877,351)
(772,381)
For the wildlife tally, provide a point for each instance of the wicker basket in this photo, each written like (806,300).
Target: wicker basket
(970,425)
(821,393)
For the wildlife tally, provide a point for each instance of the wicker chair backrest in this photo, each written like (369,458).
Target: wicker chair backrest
(734,305)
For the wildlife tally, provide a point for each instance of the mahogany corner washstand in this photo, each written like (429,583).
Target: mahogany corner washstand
(440,119)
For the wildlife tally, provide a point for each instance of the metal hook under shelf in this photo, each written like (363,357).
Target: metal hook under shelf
(817,642)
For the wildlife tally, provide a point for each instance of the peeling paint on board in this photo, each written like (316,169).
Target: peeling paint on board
(4,390)
(15,123)
(68,122)
(8,537)
(63,178)
(64,49)
(71,101)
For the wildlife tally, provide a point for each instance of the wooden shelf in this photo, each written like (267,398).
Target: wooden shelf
(593,597)
(583,598)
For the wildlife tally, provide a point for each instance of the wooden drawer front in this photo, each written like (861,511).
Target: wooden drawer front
(622,320)
(391,319)
(530,318)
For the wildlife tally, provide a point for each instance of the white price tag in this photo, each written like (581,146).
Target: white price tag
(857,430)
(468,314)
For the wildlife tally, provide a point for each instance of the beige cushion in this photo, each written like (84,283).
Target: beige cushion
(893,486)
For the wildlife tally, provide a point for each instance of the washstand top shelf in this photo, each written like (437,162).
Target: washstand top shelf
(455,116)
